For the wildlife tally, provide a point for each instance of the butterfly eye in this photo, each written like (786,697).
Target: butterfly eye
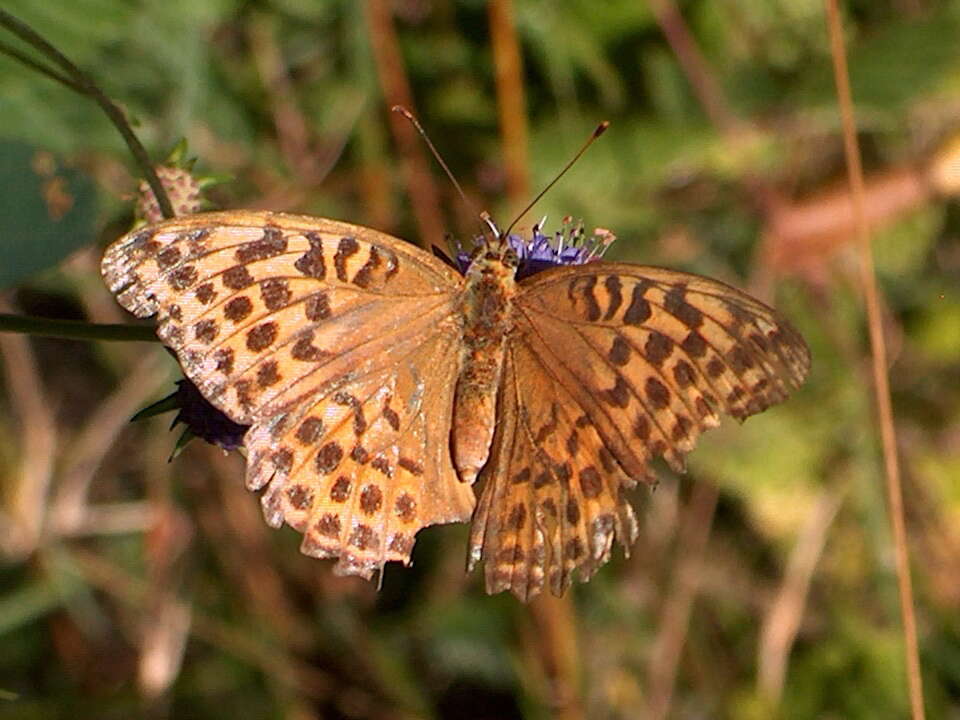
(510,258)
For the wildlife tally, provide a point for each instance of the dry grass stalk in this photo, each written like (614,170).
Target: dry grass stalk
(879,354)
(511,105)
(424,198)
(24,508)
(678,604)
(782,621)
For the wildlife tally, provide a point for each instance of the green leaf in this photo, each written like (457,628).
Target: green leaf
(48,211)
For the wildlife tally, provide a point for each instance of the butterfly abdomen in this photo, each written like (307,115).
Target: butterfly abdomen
(487,299)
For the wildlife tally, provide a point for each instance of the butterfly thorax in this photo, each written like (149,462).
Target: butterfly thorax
(486,310)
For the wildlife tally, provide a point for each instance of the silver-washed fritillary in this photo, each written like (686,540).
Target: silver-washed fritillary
(379,383)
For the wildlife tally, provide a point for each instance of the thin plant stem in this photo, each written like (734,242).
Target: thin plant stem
(694,65)
(396,91)
(94,439)
(554,620)
(78,81)
(708,91)
(879,353)
(511,104)
(27,488)
(781,623)
(24,59)
(77,330)
(678,604)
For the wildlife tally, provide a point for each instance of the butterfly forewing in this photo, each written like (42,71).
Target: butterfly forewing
(614,364)
(694,333)
(336,344)
(238,294)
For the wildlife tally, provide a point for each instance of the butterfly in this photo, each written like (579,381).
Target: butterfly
(380,384)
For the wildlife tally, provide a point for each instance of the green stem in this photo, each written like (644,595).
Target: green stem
(76,330)
(84,85)
(11,51)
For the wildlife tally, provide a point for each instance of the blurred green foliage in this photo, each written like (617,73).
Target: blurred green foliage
(48,211)
(273,633)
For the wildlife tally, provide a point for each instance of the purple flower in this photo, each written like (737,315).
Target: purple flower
(568,246)
(204,420)
(201,419)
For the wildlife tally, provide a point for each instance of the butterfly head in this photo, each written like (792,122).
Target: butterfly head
(570,245)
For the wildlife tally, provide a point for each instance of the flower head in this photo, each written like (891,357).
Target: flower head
(184,188)
(200,418)
(204,420)
(568,246)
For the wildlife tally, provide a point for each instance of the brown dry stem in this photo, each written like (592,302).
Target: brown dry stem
(879,355)
(395,84)
(25,506)
(511,104)
(677,606)
(782,621)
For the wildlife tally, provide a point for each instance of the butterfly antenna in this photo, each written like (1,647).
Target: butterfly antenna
(601,128)
(423,133)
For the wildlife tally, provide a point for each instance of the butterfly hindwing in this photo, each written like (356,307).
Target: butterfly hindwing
(378,473)
(336,344)
(627,363)
(553,498)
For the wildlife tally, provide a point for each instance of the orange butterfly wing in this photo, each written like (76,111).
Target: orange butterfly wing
(336,344)
(608,366)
